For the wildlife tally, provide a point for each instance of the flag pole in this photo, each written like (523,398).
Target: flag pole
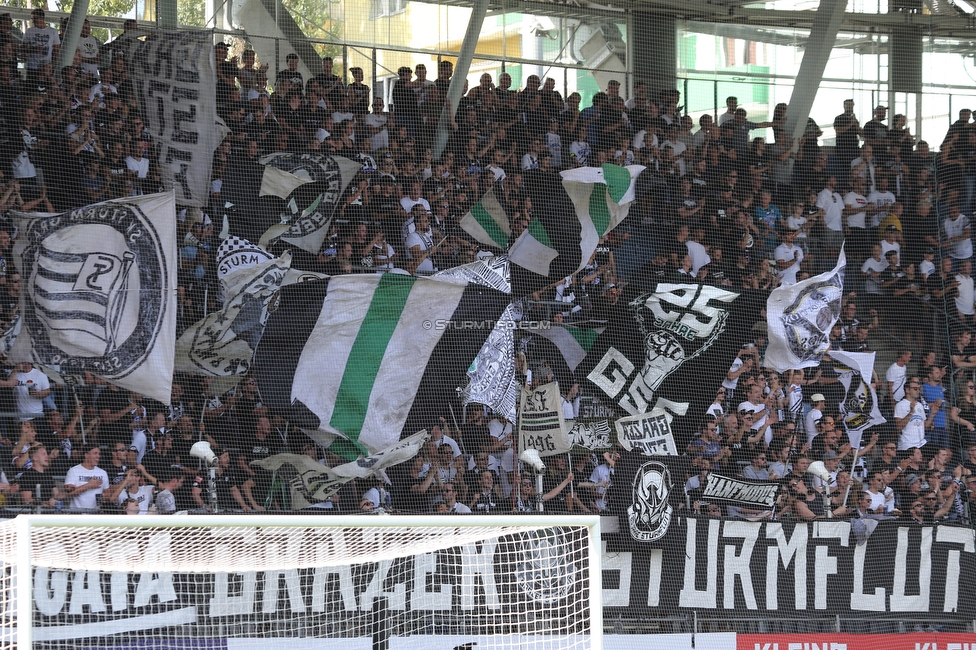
(853,465)
(81,414)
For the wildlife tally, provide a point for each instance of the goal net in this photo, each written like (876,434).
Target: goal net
(371,582)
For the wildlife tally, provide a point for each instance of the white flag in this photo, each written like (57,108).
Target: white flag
(799,318)
(541,423)
(860,405)
(398,453)
(174,77)
(223,343)
(312,481)
(236,254)
(309,209)
(99,291)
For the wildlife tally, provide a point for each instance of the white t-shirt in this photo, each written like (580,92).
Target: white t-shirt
(964,301)
(786,253)
(832,204)
(961,249)
(46,37)
(796,223)
(730,384)
(143,496)
(27,403)
(872,265)
(810,424)
(407,203)
(426,243)
(893,246)
(896,376)
(88,49)
(699,256)
(140,167)
(883,201)
(913,434)
(858,219)
(78,476)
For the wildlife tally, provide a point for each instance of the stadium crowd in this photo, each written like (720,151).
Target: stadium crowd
(714,205)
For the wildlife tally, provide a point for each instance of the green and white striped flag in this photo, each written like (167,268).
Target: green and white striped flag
(573,343)
(487,221)
(356,360)
(601,197)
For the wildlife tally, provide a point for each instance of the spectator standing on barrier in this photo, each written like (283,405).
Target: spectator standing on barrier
(86,481)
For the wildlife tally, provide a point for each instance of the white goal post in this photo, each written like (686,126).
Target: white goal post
(242,582)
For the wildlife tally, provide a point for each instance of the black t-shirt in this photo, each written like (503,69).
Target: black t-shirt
(31,479)
(230,478)
(157,464)
(114,401)
(847,142)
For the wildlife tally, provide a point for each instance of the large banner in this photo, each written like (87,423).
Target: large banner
(768,568)
(664,342)
(175,79)
(729,567)
(99,291)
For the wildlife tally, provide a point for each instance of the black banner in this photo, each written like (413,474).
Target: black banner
(665,342)
(796,567)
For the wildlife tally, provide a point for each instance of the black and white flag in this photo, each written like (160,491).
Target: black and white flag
(175,79)
(591,435)
(664,341)
(237,254)
(799,318)
(99,291)
(860,406)
(310,206)
(492,373)
(223,343)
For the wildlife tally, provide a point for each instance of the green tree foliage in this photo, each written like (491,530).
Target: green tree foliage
(319,20)
(111,8)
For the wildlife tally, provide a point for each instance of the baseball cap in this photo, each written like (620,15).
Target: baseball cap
(133,448)
(830,455)
(818,397)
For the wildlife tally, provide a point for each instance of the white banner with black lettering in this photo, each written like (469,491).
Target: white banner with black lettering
(541,423)
(174,76)
(649,433)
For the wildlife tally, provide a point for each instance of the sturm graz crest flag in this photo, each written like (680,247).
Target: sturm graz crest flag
(99,291)
(671,341)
